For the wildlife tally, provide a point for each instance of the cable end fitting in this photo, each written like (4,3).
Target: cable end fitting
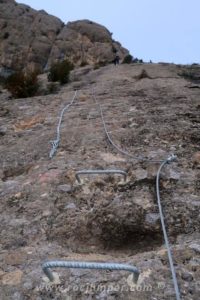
(171,158)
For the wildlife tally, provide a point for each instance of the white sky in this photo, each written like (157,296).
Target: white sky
(160,30)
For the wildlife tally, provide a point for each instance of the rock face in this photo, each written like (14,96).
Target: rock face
(35,39)
(85,42)
(46,214)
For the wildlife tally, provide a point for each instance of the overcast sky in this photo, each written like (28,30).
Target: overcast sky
(160,30)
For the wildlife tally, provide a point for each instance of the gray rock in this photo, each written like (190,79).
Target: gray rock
(28,285)
(11,183)
(141,174)
(102,296)
(187,276)
(1,174)
(16,296)
(174,174)
(70,206)
(195,247)
(152,218)
(65,188)
(3,130)
(9,186)
(116,201)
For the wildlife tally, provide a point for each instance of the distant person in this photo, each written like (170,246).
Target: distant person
(116,60)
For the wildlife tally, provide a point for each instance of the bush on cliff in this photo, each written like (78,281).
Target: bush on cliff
(60,71)
(22,85)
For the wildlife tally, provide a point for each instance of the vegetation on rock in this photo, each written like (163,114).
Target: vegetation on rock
(128,59)
(60,71)
(191,73)
(22,85)
(143,74)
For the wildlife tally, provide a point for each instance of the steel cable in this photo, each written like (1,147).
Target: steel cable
(90,265)
(139,158)
(163,162)
(170,159)
(55,143)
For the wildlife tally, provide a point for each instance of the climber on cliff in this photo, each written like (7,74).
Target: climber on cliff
(116,60)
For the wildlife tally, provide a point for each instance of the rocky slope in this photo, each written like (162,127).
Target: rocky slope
(46,214)
(34,39)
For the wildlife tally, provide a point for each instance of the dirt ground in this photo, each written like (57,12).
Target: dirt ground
(46,214)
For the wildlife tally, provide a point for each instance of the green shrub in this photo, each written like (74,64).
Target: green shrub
(143,74)
(190,74)
(2,80)
(101,63)
(137,61)
(96,67)
(52,88)
(60,71)
(83,63)
(128,59)
(22,85)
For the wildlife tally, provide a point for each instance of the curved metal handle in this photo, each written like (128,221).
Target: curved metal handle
(77,175)
(87,265)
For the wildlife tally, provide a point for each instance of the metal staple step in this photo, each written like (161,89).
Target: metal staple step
(87,265)
(77,175)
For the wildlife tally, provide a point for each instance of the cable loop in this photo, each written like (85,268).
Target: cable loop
(55,143)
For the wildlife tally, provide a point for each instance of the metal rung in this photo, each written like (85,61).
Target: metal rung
(77,175)
(87,265)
